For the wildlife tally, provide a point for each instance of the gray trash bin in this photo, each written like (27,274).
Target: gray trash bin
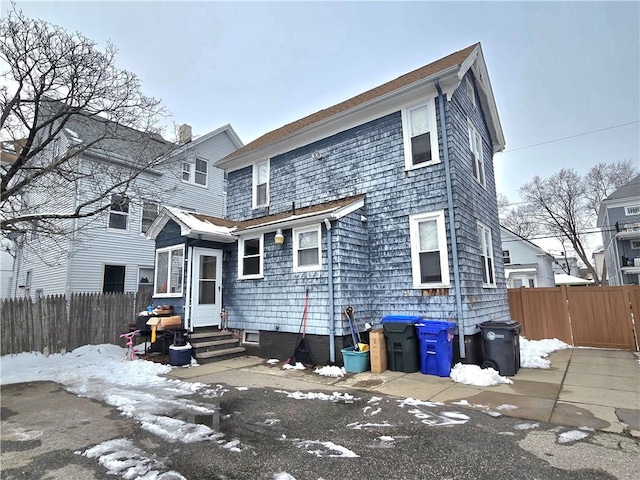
(501,341)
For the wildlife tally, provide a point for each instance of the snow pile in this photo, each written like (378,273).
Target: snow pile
(329,371)
(474,375)
(334,397)
(297,366)
(272,361)
(533,352)
(572,436)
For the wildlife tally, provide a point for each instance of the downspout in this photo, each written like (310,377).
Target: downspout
(452,224)
(332,325)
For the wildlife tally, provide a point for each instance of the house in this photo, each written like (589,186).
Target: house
(597,258)
(8,155)
(570,280)
(110,252)
(566,263)
(525,264)
(619,222)
(385,202)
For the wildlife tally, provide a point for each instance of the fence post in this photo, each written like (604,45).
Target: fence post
(567,316)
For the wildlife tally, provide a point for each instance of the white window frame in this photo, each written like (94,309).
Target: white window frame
(632,210)
(443,249)
(477,156)
(247,333)
(486,254)
(189,170)
(157,282)
(140,276)
(506,257)
(471,91)
(296,248)
(255,167)
(635,244)
(117,212)
(142,218)
(242,256)
(433,130)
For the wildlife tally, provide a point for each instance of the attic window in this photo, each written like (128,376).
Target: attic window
(471,91)
(261,184)
(632,210)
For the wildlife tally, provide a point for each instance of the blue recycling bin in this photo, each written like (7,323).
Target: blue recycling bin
(402,342)
(436,346)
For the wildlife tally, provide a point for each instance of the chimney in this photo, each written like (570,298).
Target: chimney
(184,134)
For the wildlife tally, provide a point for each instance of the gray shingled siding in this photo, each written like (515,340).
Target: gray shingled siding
(372,260)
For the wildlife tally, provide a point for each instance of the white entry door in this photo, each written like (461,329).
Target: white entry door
(206,287)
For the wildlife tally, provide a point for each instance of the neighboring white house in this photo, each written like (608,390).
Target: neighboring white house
(525,264)
(619,221)
(110,252)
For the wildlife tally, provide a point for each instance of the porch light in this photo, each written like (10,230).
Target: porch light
(279,237)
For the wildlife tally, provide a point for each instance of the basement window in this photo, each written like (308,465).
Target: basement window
(251,337)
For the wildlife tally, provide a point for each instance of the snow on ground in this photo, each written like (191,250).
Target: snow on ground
(334,397)
(330,371)
(297,366)
(572,436)
(474,375)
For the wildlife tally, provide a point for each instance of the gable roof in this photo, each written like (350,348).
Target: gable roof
(227,231)
(629,191)
(524,241)
(459,62)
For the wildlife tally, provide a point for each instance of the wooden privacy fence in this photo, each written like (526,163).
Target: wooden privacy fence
(604,317)
(56,323)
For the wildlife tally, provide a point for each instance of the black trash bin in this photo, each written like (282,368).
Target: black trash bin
(501,341)
(402,343)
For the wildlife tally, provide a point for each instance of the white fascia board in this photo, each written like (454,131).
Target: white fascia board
(361,114)
(228,129)
(117,159)
(295,221)
(207,235)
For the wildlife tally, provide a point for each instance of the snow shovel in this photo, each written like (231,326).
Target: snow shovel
(302,352)
(354,333)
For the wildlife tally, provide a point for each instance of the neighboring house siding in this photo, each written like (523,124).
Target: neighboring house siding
(523,254)
(6,272)
(369,159)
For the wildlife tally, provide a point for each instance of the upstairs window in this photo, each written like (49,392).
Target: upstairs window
(486,256)
(261,184)
(506,257)
(306,249)
(475,145)
(429,257)
(420,135)
(632,210)
(250,253)
(195,173)
(169,271)
(149,214)
(119,212)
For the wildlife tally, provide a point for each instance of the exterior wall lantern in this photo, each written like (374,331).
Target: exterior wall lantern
(279,237)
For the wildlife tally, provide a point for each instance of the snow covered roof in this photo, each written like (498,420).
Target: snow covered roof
(564,279)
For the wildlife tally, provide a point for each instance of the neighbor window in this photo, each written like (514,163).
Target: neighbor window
(149,214)
(119,212)
(169,268)
(486,256)
(420,135)
(475,145)
(261,184)
(506,256)
(113,279)
(632,210)
(145,276)
(429,259)
(195,173)
(635,244)
(306,249)
(250,257)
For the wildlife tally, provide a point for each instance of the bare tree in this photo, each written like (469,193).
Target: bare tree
(521,221)
(64,100)
(562,205)
(605,178)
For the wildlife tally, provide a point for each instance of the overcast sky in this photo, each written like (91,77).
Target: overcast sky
(557,69)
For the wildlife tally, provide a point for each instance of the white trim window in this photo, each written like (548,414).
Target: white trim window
(251,255)
(261,184)
(475,145)
(420,135)
(119,212)
(632,210)
(635,244)
(429,255)
(485,244)
(471,91)
(169,271)
(196,173)
(506,257)
(149,214)
(307,249)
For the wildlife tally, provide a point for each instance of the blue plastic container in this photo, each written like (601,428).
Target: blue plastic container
(436,347)
(180,355)
(402,342)
(355,362)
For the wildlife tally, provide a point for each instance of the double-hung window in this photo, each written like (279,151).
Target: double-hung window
(119,212)
(261,184)
(486,256)
(250,253)
(169,271)
(429,256)
(306,249)
(632,210)
(195,173)
(149,214)
(420,135)
(475,145)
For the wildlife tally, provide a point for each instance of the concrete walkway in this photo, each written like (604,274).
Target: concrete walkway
(584,387)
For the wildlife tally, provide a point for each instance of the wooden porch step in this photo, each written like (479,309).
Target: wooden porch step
(223,354)
(215,334)
(214,343)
